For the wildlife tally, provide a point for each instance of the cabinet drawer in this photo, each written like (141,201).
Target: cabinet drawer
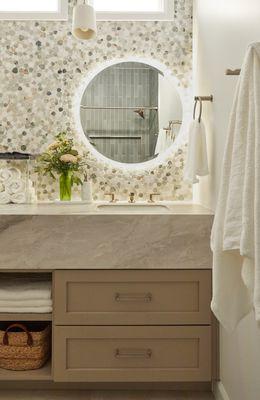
(132,354)
(132,297)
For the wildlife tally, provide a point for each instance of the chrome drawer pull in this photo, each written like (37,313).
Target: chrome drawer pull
(133,353)
(128,297)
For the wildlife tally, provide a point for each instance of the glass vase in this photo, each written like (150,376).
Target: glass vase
(65,186)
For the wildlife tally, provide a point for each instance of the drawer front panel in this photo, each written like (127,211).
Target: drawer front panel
(132,297)
(132,354)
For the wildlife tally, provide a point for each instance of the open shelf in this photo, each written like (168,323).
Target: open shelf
(42,374)
(25,317)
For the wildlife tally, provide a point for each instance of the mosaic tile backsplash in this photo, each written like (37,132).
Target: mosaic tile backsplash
(41,67)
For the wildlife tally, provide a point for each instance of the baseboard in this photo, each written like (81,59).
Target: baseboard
(220,392)
(151,386)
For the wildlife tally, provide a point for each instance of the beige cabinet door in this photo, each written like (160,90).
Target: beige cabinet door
(109,297)
(132,354)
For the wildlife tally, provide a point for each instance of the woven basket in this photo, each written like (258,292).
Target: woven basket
(26,350)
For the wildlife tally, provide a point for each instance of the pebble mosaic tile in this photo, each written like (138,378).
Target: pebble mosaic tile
(41,67)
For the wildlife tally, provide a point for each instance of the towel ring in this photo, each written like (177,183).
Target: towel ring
(200,99)
(197,100)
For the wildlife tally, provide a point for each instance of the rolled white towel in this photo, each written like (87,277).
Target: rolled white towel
(9,173)
(4,198)
(14,186)
(16,173)
(19,198)
(5,174)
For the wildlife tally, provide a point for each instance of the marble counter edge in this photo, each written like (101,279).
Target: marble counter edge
(84,210)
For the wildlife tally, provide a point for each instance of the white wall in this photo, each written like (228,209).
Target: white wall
(223,30)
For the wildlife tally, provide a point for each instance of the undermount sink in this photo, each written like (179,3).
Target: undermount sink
(134,207)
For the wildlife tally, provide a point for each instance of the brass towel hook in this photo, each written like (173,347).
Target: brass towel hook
(200,99)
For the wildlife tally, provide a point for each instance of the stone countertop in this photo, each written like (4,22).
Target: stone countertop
(42,238)
(79,208)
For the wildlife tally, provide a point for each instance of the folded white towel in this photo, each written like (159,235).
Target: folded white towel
(29,310)
(4,198)
(197,159)
(9,173)
(19,198)
(14,186)
(235,237)
(25,303)
(21,289)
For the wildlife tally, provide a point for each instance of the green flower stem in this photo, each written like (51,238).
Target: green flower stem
(65,186)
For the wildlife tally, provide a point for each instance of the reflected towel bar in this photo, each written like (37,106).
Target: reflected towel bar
(118,108)
(172,123)
(115,137)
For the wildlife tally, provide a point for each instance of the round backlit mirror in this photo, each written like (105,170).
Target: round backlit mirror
(131,113)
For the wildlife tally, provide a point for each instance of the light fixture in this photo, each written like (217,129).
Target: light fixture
(84,24)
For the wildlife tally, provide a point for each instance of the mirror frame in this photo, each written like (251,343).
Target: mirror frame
(186,100)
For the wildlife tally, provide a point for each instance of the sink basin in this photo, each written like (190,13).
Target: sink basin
(133,208)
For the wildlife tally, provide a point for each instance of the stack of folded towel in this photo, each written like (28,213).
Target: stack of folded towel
(13,188)
(25,296)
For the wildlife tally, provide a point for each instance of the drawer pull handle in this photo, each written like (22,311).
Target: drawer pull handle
(128,297)
(133,353)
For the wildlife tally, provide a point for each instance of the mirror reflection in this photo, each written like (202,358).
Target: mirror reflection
(131,112)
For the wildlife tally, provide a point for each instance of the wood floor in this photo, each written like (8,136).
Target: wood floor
(107,395)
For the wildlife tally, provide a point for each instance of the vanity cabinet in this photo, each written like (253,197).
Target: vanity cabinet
(131,296)
(132,326)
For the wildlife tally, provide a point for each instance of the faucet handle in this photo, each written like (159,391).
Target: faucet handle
(113,197)
(151,200)
(131,197)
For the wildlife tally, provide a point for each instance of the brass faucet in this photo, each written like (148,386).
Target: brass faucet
(151,200)
(131,198)
(113,197)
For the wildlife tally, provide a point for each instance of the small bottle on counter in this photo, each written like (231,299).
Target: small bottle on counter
(86,190)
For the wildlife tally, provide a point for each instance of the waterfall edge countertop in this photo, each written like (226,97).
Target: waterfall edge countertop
(54,236)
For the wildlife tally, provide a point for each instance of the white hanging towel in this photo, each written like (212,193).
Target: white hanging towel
(164,141)
(197,160)
(235,237)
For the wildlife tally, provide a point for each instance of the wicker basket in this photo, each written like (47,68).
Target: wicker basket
(25,350)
